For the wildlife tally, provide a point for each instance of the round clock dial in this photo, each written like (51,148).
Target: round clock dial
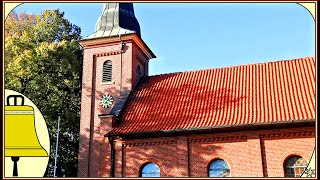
(106,101)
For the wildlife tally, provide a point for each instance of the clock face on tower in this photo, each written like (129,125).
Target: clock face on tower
(106,101)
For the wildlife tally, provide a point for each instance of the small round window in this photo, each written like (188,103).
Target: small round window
(150,170)
(219,168)
(295,166)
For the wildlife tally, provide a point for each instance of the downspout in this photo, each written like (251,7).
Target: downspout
(121,50)
(112,156)
(188,148)
(263,157)
(122,159)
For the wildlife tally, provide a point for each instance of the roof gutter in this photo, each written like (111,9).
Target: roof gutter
(216,129)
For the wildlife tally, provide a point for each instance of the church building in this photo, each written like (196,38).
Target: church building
(255,120)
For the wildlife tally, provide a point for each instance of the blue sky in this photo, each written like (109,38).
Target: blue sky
(194,36)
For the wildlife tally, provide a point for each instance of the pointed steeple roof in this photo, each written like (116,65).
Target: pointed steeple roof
(116,19)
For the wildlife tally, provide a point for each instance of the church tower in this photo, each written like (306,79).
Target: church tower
(114,58)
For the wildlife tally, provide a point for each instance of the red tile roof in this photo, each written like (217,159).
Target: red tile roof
(238,95)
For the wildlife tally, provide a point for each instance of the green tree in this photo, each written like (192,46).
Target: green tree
(43,61)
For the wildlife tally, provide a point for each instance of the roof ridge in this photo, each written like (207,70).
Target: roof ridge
(233,66)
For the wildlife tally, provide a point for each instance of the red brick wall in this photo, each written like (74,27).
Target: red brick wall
(278,150)
(241,150)
(92,90)
(93,145)
(139,59)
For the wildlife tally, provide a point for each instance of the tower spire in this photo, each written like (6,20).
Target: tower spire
(112,66)
(116,19)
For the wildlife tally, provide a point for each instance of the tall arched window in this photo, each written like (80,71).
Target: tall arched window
(139,70)
(150,170)
(219,168)
(138,73)
(295,166)
(107,71)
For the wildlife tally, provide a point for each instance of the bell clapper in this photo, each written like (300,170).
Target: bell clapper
(15,165)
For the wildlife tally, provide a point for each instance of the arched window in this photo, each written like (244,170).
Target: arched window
(219,168)
(295,166)
(107,71)
(150,170)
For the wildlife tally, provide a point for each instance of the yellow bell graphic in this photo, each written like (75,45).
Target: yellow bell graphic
(20,134)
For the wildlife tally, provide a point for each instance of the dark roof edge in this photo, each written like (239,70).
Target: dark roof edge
(124,97)
(107,115)
(122,101)
(216,129)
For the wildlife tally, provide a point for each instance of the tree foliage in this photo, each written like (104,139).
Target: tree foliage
(44,62)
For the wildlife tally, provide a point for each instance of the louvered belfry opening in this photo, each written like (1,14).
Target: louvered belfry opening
(107,71)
